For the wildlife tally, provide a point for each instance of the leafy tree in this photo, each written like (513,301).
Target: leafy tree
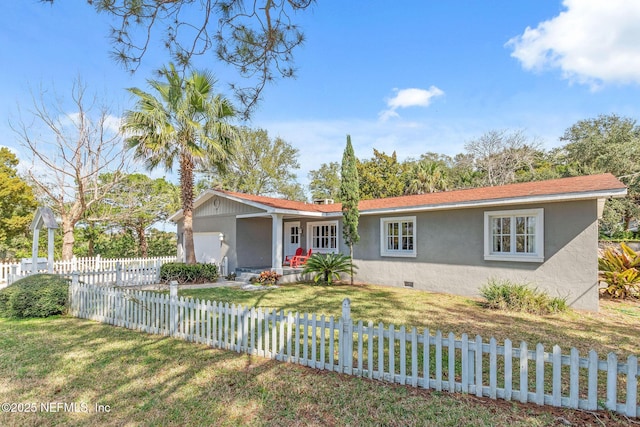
(186,123)
(69,149)
(259,166)
(136,203)
(381,176)
(17,203)
(500,155)
(608,143)
(257,38)
(350,196)
(324,183)
(162,243)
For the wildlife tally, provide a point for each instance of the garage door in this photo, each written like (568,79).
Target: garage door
(207,247)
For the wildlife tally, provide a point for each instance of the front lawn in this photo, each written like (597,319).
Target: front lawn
(146,379)
(616,328)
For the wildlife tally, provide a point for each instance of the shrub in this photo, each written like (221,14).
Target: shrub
(619,270)
(267,277)
(188,273)
(326,267)
(506,295)
(40,295)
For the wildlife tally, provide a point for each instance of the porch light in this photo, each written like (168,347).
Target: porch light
(221,237)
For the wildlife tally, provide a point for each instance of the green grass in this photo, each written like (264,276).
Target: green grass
(614,329)
(154,380)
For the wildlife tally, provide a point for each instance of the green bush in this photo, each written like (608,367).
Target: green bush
(506,295)
(40,295)
(188,273)
(327,267)
(620,271)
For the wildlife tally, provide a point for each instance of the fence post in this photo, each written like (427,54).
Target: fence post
(158,267)
(13,275)
(96,264)
(118,274)
(75,278)
(345,347)
(173,307)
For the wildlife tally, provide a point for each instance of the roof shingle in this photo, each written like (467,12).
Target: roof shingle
(568,186)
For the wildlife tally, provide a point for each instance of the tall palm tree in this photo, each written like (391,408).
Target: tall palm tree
(184,122)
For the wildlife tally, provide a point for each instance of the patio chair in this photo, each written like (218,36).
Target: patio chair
(298,261)
(288,258)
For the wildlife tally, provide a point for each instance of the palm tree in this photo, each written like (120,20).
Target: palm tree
(184,122)
(428,177)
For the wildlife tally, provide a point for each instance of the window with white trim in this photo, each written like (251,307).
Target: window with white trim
(322,237)
(516,235)
(398,236)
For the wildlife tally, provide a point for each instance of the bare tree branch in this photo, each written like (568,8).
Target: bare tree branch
(68,151)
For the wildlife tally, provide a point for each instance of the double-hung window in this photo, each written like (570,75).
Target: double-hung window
(323,236)
(514,235)
(398,236)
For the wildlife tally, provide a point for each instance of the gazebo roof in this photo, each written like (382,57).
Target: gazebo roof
(44,218)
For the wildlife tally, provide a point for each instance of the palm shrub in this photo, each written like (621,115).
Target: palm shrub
(327,267)
(620,271)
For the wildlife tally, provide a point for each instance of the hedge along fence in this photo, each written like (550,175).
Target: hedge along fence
(389,354)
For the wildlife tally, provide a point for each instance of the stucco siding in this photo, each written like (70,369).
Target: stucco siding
(450,254)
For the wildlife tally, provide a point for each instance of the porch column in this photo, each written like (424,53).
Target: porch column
(276,243)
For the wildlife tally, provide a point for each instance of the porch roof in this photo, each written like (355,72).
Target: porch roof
(575,188)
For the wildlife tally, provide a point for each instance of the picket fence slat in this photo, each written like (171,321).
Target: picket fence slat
(306,339)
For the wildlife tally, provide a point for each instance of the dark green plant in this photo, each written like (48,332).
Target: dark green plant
(507,295)
(188,273)
(40,295)
(620,271)
(327,267)
(350,196)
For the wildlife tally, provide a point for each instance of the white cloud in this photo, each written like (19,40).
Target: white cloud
(592,42)
(412,97)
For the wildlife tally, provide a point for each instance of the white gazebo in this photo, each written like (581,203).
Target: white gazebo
(44,218)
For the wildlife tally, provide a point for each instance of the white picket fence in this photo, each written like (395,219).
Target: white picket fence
(96,270)
(391,354)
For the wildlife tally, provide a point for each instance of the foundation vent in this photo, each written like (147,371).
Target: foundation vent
(408,284)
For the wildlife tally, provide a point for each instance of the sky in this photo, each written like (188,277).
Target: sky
(412,77)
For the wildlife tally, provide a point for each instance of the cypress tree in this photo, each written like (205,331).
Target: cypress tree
(350,197)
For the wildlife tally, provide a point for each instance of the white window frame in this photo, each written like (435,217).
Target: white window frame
(384,249)
(536,256)
(310,237)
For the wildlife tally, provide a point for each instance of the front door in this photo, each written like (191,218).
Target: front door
(291,238)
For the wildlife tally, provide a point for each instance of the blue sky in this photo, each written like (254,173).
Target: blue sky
(411,76)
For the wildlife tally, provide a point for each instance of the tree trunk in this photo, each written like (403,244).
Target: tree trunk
(68,239)
(142,241)
(92,236)
(186,193)
(351,256)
